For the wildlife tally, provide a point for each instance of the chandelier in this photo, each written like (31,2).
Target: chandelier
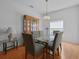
(46,17)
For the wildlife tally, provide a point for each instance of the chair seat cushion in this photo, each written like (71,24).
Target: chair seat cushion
(50,43)
(38,47)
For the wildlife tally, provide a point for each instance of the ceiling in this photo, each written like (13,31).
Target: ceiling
(39,6)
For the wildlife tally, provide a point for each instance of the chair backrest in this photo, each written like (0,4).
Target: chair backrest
(36,34)
(42,34)
(54,32)
(28,41)
(57,40)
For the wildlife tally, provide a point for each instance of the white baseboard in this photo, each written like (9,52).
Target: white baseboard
(70,42)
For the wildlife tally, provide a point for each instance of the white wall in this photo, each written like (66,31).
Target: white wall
(9,17)
(70,16)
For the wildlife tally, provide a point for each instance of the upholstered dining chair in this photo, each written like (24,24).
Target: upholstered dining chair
(54,32)
(56,44)
(35,35)
(32,47)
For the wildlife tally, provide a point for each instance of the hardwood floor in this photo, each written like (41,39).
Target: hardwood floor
(69,51)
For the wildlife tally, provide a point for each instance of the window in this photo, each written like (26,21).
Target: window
(55,25)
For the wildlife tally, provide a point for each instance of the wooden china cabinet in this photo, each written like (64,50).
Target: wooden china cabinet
(30,24)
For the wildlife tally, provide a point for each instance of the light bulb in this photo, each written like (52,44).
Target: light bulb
(47,17)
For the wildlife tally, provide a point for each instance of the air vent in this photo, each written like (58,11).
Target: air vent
(31,6)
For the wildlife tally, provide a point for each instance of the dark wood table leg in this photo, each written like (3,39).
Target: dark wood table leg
(16,43)
(46,51)
(43,53)
(26,53)
(13,44)
(5,47)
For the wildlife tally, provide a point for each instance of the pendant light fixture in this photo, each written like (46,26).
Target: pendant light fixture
(46,17)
